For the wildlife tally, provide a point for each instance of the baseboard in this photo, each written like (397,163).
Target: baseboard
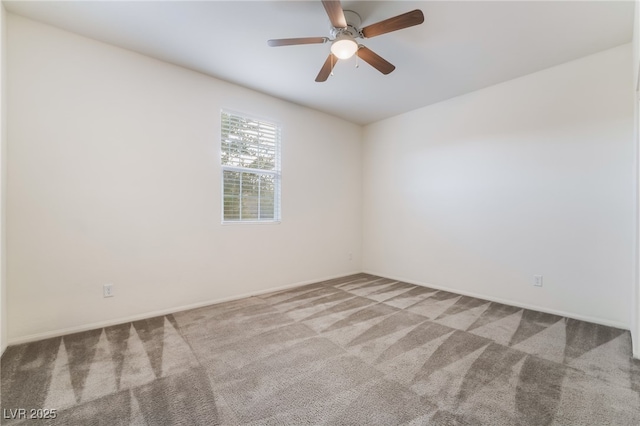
(146,315)
(595,320)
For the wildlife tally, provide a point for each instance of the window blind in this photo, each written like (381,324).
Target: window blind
(250,152)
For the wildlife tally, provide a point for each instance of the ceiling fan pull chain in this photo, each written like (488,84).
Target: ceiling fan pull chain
(331,64)
(357,57)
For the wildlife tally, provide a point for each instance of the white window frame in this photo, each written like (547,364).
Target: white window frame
(276,172)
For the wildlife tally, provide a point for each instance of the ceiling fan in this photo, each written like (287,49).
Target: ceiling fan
(345,29)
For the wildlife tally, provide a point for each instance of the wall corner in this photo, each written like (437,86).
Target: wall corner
(3,178)
(635,320)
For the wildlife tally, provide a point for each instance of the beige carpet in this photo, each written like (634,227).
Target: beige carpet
(357,350)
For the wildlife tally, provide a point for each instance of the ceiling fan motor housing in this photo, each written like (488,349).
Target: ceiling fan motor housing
(353,26)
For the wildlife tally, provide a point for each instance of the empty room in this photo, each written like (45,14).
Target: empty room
(319,212)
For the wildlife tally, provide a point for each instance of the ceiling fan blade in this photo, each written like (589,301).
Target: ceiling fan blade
(325,71)
(294,41)
(336,15)
(375,60)
(406,20)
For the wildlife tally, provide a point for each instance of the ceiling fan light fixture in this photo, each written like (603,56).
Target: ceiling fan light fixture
(344,46)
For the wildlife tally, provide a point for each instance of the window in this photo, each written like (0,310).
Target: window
(250,169)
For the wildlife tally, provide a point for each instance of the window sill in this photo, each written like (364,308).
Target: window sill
(250,222)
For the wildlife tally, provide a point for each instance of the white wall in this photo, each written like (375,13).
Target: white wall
(636,43)
(635,325)
(533,176)
(3,180)
(114,177)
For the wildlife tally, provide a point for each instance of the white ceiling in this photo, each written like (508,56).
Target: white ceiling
(461,47)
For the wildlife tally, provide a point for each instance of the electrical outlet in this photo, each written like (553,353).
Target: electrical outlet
(107,290)
(350,256)
(537,280)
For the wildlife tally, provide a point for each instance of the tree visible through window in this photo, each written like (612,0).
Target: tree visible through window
(250,169)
